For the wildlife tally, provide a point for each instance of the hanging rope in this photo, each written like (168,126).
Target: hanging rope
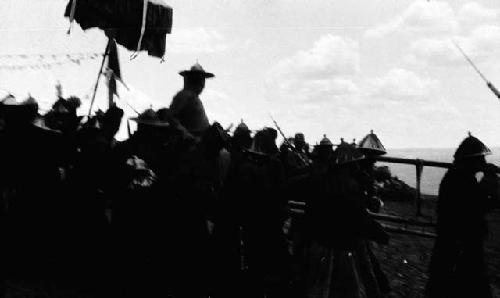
(71,16)
(143,29)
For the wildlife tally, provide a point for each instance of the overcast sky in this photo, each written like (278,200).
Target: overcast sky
(335,67)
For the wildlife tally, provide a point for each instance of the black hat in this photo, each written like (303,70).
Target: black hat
(471,147)
(347,153)
(197,70)
(325,142)
(150,117)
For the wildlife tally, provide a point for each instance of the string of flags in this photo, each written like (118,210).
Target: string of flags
(43,61)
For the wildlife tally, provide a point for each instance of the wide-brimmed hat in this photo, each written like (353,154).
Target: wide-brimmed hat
(197,70)
(150,117)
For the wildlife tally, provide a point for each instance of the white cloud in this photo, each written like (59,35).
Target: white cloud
(330,56)
(481,44)
(473,12)
(196,40)
(321,73)
(401,84)
(421,17)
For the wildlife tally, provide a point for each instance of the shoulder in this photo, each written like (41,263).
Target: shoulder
(184,94)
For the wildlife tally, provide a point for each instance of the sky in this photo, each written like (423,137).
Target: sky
(340,68)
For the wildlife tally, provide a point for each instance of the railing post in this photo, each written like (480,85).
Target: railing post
(418,196)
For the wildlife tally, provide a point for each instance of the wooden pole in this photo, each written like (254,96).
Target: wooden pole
(98,78)
(418,196)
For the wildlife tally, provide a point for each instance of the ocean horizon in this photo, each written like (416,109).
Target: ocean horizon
(431,177)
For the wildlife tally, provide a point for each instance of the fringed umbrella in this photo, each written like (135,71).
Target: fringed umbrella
(138,25)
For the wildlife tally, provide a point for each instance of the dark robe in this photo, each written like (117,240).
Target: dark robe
(457,266)
(30,180)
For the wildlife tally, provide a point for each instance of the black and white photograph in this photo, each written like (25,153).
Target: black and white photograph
(249,148)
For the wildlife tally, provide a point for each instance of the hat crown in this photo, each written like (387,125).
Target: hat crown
(197,67)
(150,117)
(346,153)
(299,136)
(9,100)
(325,141)
(371,143)
(148,114)
(242,126)
(470,147)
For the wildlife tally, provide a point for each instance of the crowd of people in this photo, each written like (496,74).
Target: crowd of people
(184,208)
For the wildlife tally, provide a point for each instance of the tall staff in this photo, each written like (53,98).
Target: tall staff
(488,83)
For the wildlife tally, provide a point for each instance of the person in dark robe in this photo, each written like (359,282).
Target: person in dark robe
(227,234)
(186,105)
(141,214)
(337,225)
(457,267)
(30,180)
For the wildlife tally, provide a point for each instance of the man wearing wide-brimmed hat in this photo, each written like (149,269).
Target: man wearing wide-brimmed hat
(186,105)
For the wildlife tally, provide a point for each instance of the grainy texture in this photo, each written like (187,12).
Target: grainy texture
(406,259)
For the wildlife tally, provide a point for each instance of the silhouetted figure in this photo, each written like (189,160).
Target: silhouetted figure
(196,184)
(368,263)
(338,226)
(186,105)
(142,219)
(88,203)
(457,267)
(256,181)
(30,180)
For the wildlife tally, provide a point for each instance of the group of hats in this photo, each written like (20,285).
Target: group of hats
(345,152)
(10,104)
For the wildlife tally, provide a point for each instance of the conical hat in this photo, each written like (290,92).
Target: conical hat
(325,141)
(371,145)
(471,147)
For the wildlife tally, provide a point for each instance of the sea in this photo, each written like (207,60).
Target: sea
(431,177)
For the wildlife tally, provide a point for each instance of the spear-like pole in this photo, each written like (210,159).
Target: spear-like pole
(488,83)
(98,78)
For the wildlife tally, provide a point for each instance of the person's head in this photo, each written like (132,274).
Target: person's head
(214,139)
(150,125)
(324,149)
(18,114)
(63,116)
(347,158)
(470,154)
(299,141)
(242,136)
(194,78)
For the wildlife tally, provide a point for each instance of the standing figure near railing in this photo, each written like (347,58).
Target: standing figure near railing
(457,267)
(338,226)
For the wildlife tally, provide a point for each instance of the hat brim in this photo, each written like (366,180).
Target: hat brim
(202,74)
(150,123)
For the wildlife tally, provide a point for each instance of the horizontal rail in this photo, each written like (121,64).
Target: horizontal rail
(423,162)
(402,220)
(298,208)
(399,230)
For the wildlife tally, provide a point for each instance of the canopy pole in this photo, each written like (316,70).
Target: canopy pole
(98,77)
